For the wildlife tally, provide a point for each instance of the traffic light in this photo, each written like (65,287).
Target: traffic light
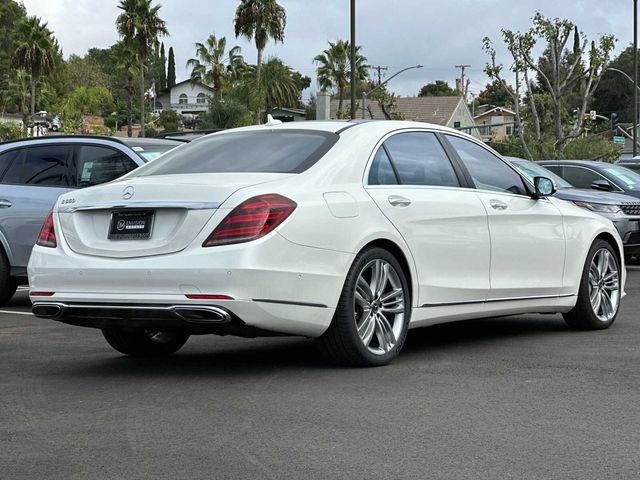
(614,122)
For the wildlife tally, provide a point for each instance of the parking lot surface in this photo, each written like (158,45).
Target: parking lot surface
(516,397)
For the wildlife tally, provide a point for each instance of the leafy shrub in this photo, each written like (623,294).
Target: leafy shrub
(10,131)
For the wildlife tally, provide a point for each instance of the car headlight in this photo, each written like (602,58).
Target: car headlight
(599,207)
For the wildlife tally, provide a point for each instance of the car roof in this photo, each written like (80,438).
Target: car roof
(586,163)
(148,142)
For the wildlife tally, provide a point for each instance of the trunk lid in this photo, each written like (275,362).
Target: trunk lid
(174,209)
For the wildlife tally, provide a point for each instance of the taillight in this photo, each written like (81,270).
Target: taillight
(252,219)
(47,237)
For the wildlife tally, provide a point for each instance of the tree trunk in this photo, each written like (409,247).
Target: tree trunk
(258,72)
(130,109)
(33,95)
(341,98)
(142,94)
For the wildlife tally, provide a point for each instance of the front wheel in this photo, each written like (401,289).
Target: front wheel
(600,290)
(370,324)
(145,343)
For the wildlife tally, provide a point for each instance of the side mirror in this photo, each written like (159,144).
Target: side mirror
(545,187)
(602,185)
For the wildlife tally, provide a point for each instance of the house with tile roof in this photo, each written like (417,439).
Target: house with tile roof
(447,111)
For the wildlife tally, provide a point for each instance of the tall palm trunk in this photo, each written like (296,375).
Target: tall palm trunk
(129,106)
(258,114)
(341,97)
(142,93)
(33,95)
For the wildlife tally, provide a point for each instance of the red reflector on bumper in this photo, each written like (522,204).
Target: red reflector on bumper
(199,296)
(42,294)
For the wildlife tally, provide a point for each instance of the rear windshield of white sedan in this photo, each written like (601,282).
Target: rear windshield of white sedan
(289,151)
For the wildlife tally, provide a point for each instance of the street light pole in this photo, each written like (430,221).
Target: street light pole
(353,59)
(635,77)
(366,94)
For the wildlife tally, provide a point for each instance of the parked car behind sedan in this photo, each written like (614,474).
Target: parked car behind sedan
(622,210)
(607,177)
(34,172)
(347,232)
(630,163)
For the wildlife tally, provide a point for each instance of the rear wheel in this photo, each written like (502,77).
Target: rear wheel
(145,343)
(8,285)
(599,294)
(370,324)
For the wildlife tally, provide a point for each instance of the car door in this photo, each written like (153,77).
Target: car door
(527,235)
(35,177)
(416,186)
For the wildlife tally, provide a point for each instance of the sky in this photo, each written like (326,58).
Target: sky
(437,34)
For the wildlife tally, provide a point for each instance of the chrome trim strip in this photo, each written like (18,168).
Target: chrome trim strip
(492,300)
(283,302)
(138,205)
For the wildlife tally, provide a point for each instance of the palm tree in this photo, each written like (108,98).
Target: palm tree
(127,64)
(209,66)
(260,20)
(334,68)
(139,24)
(36,52)
(278,84)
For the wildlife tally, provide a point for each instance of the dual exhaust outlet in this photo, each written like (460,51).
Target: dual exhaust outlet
(202,314)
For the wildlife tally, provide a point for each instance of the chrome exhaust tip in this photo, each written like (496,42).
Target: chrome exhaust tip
(47,310)
(201,314)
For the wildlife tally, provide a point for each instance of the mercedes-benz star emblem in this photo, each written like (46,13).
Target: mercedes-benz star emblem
(128,192)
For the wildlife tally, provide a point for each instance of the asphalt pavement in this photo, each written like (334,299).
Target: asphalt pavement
(507,398)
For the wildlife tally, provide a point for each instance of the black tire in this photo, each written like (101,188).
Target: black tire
(341,344)
(8,285)
(582,316)
(143,343)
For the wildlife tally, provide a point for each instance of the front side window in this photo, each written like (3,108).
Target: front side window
(420,160)
(580,177)
(100,165)
(487,171)
(43,166)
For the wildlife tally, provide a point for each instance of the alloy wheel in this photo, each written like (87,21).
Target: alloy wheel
(379,306)
(604,285)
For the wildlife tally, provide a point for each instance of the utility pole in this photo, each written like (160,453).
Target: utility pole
(635,77)
(379,69)
(353,59)
(463,86)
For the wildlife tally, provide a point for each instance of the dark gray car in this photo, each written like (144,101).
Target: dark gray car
(35,172)
(623,210)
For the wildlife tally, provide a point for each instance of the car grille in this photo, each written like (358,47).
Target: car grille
(631,208)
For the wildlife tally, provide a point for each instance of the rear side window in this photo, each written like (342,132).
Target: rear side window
(488,171)
(381,172)
(97,165)
(420,160)
(43,166)
(5,160)
(291,151)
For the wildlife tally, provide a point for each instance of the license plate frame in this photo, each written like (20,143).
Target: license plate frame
(131,224)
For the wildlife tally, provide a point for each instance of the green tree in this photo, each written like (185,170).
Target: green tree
(615,92)
(127,65)
(278,84)
(11,16)
(334,68)
(260,20)
(212,62)
(140,25)
(163,73)
(87,101)
(225,113)
(84,72)
(439,88)
(35,52)
(170,121)
(496,94)
(171,69)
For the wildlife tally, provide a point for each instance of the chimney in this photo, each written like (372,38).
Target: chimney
(323,106)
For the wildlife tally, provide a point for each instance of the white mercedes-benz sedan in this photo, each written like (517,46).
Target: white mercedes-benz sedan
(347,232)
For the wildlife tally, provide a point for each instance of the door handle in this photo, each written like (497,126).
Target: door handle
(5,203)
(398,201)
(498,205)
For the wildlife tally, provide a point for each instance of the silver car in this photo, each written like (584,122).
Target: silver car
(33,174)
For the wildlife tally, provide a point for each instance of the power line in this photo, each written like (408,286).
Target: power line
(379,69)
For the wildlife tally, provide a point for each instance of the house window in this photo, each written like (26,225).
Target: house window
(456,124)
(158,105)
(182,99)
(201,98)
(509,130)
